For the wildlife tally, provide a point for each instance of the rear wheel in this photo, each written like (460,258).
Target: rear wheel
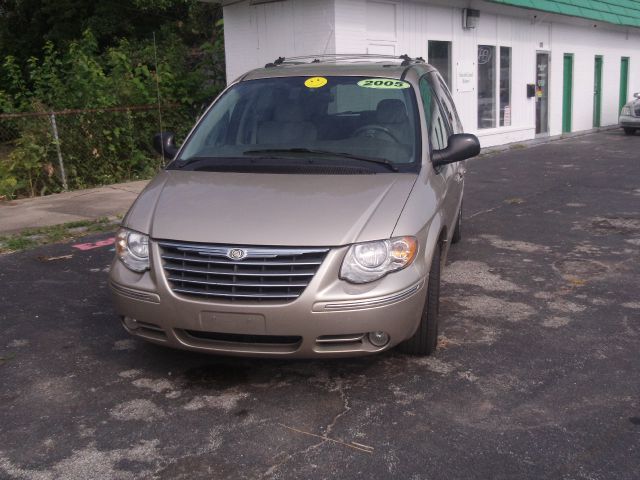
(425,340)
(629,131)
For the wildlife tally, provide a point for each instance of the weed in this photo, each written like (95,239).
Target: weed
(5,358)
(34,237)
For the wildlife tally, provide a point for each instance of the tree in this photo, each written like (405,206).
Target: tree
(63,21)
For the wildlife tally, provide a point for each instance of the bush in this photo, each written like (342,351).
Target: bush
(100,145)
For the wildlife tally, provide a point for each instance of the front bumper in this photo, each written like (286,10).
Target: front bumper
(627,121)
(331,318)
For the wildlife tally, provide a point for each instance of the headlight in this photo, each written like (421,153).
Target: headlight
(366,262)
(626,111)
(132,248)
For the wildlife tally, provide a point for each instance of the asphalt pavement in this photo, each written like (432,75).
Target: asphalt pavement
(537,374)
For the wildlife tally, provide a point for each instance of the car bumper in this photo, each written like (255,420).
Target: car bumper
(331,318)
(627,121)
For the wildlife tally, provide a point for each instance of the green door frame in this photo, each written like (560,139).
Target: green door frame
(624,81)
(567,92)
(597,91)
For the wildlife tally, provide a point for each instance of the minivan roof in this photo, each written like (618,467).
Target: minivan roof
(386,69)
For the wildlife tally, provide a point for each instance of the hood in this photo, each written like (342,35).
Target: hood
(267,209)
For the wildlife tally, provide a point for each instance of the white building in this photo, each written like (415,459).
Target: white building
(515,73)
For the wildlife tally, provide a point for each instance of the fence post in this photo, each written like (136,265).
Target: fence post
(56,139)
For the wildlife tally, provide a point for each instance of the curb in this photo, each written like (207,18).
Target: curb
(542,141)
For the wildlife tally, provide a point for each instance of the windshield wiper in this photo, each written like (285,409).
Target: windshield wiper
(351,156)
(180,163)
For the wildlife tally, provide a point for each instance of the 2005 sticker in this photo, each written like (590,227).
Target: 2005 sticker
(315,82)
(383,83)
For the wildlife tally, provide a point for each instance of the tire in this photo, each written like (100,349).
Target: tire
(457,233)
(629,131)
(425,340)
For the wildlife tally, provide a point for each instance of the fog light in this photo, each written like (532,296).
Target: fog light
(130,323)
(378,339)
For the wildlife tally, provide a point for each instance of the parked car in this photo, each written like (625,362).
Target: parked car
(630,115)
(307,214)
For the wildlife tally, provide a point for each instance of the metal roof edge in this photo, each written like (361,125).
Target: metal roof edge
(586,11)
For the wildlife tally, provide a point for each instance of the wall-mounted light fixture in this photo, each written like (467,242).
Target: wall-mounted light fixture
(470,18)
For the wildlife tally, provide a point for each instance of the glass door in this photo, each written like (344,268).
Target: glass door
(439,56)
(542,93)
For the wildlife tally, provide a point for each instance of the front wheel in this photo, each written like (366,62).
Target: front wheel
(629,131)
(425,340)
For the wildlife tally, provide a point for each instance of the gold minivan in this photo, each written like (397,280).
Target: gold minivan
(307,214)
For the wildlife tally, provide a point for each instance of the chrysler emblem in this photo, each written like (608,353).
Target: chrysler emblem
(236,253)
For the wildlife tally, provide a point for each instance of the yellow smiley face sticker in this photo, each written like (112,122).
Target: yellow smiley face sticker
(315,82)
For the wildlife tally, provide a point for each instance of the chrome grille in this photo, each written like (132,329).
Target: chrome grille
(261,274)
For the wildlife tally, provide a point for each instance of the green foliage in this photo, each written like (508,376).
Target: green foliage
(103,66)
(26,169)
(26,25)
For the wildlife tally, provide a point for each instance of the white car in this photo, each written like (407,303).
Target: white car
(630,115)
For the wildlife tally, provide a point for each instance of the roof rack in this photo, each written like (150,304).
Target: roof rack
(405,59)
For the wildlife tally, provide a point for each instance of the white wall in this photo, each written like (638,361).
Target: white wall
(585,44)
(256,35)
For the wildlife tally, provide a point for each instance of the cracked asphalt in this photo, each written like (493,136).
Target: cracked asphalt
(537,374)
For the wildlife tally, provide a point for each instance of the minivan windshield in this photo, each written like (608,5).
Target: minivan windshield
(335,118)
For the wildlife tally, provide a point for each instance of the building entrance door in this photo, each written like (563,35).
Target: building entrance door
(567,92)
(542,93)
(597,91)
(624,81)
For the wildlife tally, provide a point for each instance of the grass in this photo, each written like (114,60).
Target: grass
(5,358)
(517,146)
(35,237)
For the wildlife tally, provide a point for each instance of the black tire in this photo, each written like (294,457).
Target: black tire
(425,340)
(629,131)
(457,233)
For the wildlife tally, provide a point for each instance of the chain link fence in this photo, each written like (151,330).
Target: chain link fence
(48,152)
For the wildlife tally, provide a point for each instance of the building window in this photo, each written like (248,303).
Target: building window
(486,86)
(440,57)
(505,86)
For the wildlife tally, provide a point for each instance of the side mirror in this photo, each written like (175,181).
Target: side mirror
(164,143)
(636,95)
(461,146)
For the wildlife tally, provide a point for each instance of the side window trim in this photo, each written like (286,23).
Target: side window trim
(447,94)
(436,94)
(444,125)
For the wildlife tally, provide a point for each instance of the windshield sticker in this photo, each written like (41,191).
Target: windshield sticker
(315,82)
(383,83)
